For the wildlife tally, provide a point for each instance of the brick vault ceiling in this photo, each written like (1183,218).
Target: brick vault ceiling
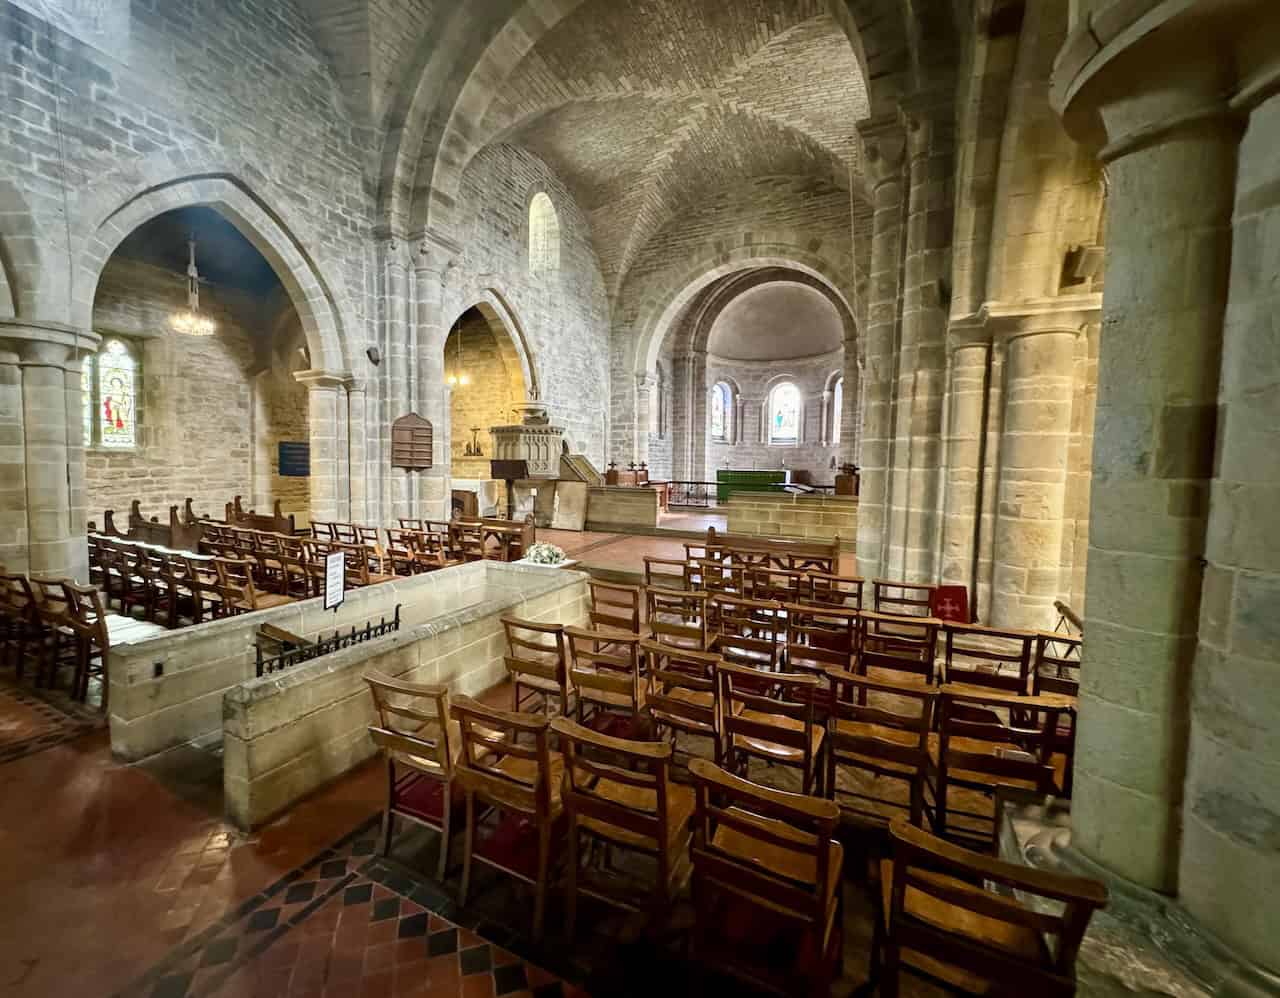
(650,109)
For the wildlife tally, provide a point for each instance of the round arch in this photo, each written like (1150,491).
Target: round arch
(658,318)
(310,292)
(502,319)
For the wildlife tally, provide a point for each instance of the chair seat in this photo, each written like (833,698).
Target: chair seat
(773,750)
(535,682)
(864,729)
(610,699)
(680,806)
(525,771)
(1017,940)
(266,601)
(976,746)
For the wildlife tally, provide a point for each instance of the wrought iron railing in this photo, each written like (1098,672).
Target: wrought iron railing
(297,654)
(693,495)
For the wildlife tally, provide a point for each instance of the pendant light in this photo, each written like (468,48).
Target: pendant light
(192,322)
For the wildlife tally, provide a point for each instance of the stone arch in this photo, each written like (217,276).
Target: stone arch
(311,293)
(506,326)
(657,320)
(19,254)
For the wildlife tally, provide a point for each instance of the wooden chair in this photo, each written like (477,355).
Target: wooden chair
(53,616)
(766,880)
(87,619)
(420,743)
(20,617)
(178,588)
(879,735)
(835,590)
(343,533)
(665,573)
(138,588)
(467,541)
(537,662)
(604,671)
(746,631)
(717,577)
(239,593)
(363,567)
(987,657)
(434,551)
(295,576)
(903,647)
(1056,672)
(780,728)
(776,584)
(203,581)
(614,607)
(506,763)
(316,551)
(818,639)
(903,599)
(677,617)
(402,551)
(627,802)
(940,919)
(974,753)
(680,693)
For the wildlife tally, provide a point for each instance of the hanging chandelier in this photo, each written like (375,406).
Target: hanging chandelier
(192,322)
(459,377)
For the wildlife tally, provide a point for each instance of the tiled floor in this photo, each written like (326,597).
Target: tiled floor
(32,720)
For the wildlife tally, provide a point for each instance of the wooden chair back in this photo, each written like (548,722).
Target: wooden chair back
(665,573)
(990,657)
(819,638)
(717,577)
(681,690)
(536,651)
(835,590)
(934,899)
(897,644)
(880,728)
(614,605)
(235,584)
(777,584)
(604,670)
(677,617)
(629,794)
(771,849)
(746,631)
(491,739)
(413,726)
(1056,666)
(905,599)
(52,605)
(750,714)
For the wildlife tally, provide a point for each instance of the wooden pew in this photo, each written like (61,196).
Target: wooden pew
(275,524)
(175,535)
(513,537)
(794,553)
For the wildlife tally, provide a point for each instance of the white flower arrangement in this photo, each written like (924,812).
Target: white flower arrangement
(544,554)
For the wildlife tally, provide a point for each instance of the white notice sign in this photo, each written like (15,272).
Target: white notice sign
(335,579)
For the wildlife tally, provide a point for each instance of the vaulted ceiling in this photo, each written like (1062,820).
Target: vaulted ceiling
(648,109)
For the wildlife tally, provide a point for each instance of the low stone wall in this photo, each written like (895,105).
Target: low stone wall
(624,509)
(287,734)
(168,690)
(771,514)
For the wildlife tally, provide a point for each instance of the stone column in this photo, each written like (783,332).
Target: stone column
(1230,863)
(398,335)
(917,451)
(646,397)
(433,394)
(44,520)
(850,404)
(884,146)
(966,427)
(358,430)
(13,463)
(824,430)
(326,408)
(1171,164)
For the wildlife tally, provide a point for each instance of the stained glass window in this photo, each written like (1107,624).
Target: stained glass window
(117,394)
(86,403)
(837,407)
(784,414)
(720,412)
(544,235)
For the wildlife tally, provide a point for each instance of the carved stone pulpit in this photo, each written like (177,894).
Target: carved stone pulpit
(532,440)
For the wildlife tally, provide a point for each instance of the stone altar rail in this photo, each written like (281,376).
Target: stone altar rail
(772,514)
(169,690)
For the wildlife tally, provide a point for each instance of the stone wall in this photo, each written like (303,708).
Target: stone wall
(817,517)
(562,317)
(751,383)
(286,735)
(613,507)
(202,414)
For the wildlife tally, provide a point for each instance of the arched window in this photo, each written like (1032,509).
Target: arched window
(837,409)
(110,385)
(544,235)
(784,414)
(721,412)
